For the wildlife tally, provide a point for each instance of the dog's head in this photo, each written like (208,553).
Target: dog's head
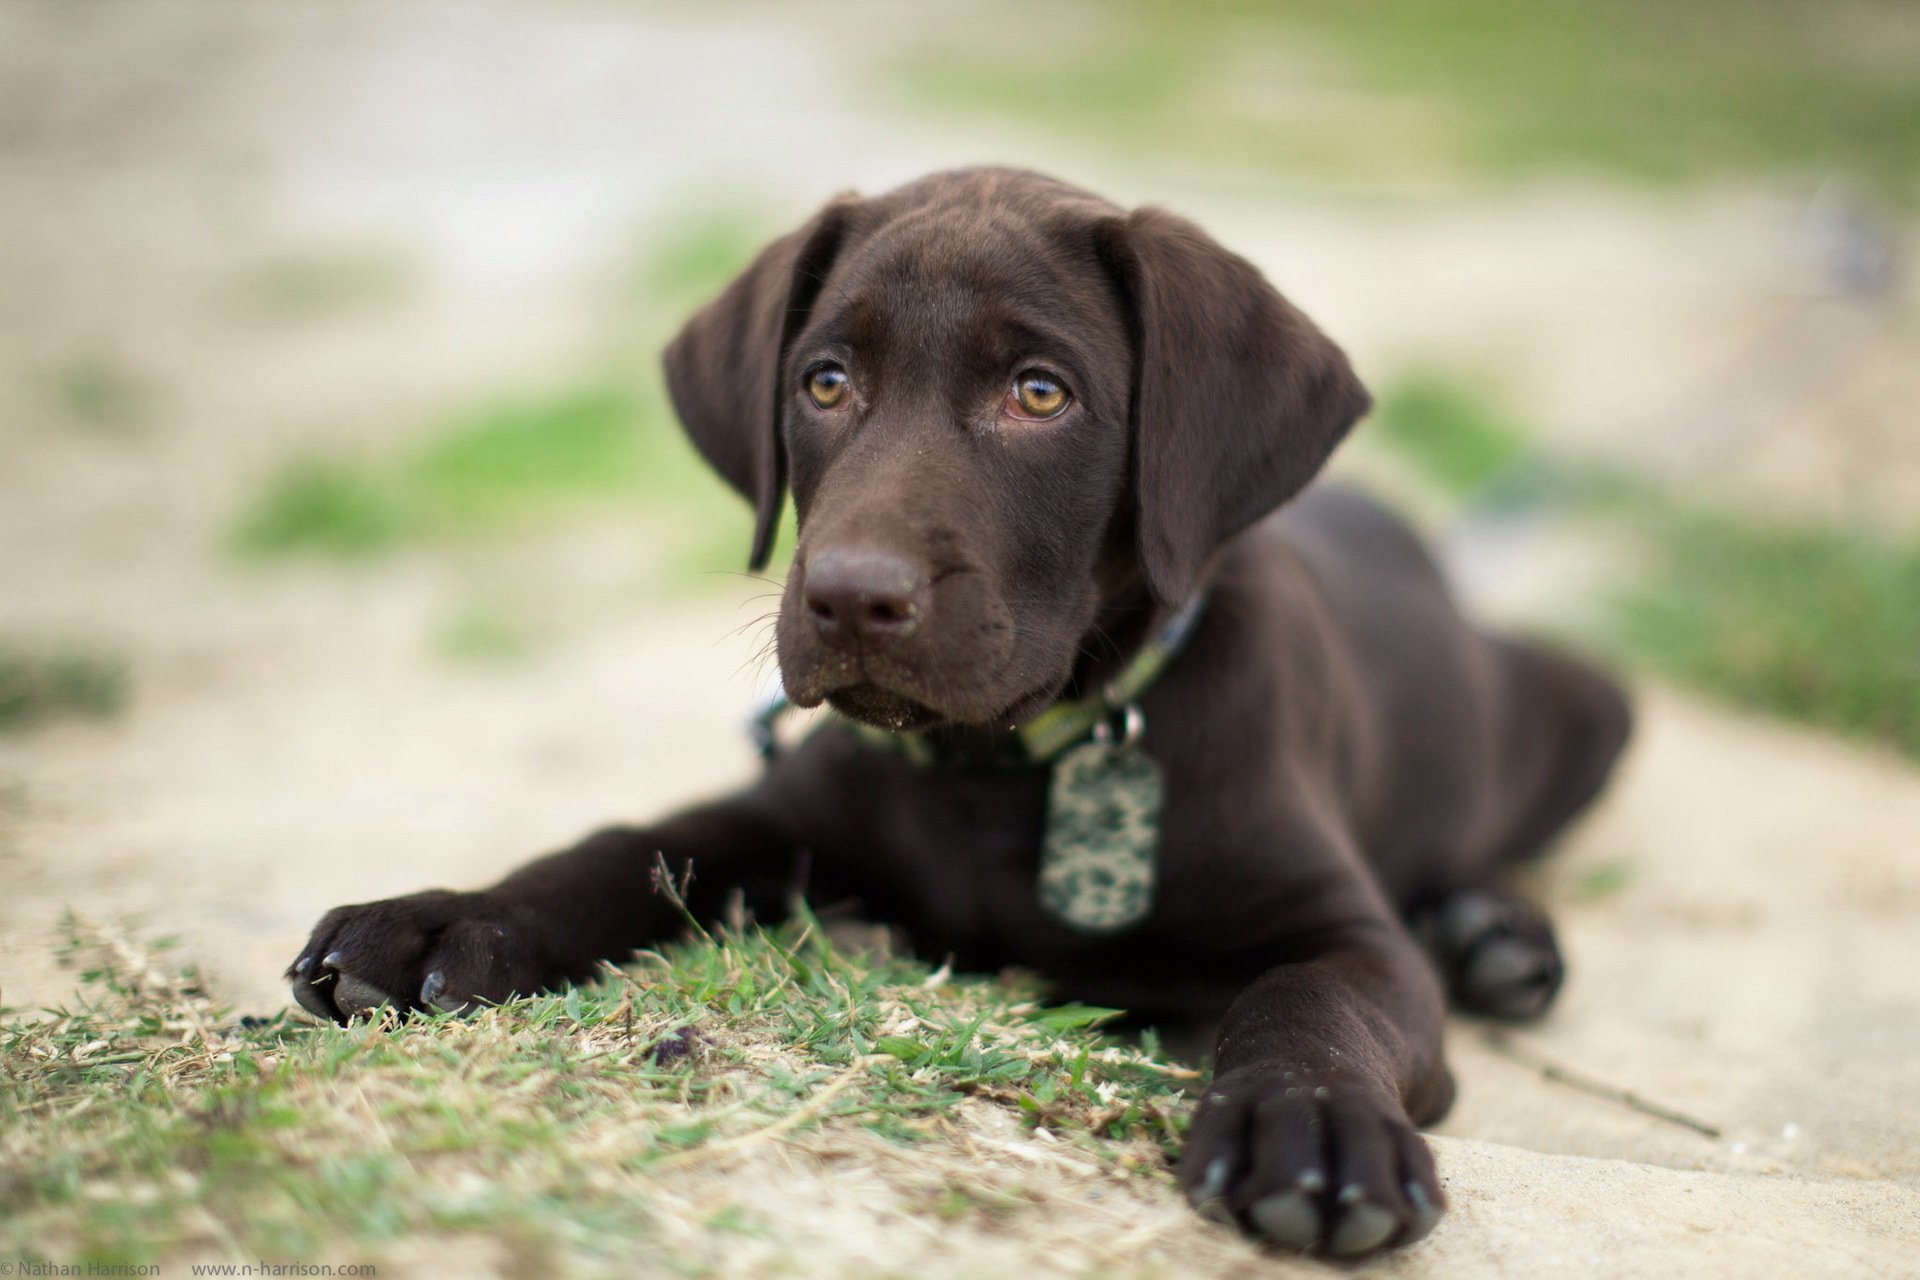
(1004,407)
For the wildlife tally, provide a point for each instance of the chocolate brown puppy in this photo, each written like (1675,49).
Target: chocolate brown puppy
(1117,700)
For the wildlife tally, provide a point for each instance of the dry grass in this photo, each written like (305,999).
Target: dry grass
(756,1103)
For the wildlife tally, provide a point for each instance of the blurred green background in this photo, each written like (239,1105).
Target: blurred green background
(325,290)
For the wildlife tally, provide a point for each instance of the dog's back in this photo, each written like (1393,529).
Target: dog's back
(1480,747)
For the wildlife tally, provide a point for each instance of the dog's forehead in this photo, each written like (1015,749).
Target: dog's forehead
(969,272)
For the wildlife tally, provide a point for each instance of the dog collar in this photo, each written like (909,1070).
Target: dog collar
(1112,714)
(1099,852)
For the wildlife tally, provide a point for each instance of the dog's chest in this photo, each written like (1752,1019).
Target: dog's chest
(965,851)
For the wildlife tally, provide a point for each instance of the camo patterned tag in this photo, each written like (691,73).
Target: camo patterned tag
(1103,828)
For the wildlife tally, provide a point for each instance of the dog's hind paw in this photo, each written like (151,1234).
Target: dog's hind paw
(1496,952)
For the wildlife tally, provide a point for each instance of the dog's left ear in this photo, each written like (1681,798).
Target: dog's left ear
(723,370)
(1237,400)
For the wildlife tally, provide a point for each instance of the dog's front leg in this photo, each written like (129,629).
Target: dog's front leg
(1306,1133)
(549,923)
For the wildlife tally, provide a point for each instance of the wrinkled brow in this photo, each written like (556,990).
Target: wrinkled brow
(978,324)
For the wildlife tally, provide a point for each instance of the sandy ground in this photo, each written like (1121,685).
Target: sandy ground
(295,741)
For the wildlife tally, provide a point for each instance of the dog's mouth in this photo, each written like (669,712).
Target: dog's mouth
(883,708)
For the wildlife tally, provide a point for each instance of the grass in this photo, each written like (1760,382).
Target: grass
(526,458)
(1603,880)
(1813,623)
(694,256)
(514,465)
(40,686)
(324,505)
(147,1124)
(498,466)
(99,393)
(486,629)
(1447,431)
(1816,624)
(1633,88)
(327,282)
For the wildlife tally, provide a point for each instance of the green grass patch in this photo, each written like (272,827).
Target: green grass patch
(1603,880)
(693,257)
(1447,431)
(1636,88)
(321,505)
(526,458)
(500,466)
(520,455)
(99,393)
(37,686)
(327,282)
(1815,624)
(144,1123)
(485,630)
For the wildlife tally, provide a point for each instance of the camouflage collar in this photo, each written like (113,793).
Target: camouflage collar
(1114,711)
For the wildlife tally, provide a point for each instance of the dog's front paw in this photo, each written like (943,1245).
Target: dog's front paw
(434,950)
(1310,1163)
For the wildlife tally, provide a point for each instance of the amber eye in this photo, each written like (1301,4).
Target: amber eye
(1038,395)
(827,385)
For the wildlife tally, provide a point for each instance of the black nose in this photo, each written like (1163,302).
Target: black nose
(864,597)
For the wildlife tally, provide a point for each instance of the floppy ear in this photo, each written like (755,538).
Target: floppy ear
(723,370)
(1237,398)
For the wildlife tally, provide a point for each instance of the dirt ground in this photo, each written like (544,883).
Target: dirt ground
(1740,915)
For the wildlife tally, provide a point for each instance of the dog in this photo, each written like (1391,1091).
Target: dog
(1117,697)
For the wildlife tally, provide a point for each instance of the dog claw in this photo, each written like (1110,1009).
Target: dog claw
(1425,1213)
(353,995)
(1363,1227)
(315,999)
(1205,1196)
(1214,1183)
(1289,1219)
(333,959)
(436,993)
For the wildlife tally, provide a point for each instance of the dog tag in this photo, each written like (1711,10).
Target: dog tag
(1103,828)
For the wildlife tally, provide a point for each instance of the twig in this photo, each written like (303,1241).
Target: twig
(664,885)
(1503,1043)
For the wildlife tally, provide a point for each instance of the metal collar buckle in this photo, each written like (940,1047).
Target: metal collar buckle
(1132,723)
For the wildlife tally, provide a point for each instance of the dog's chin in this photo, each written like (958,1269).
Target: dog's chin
(883,708)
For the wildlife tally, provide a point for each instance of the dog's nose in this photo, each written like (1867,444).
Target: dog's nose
(862,596)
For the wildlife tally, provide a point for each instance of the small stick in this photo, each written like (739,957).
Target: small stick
(1503,1043)
(664,885)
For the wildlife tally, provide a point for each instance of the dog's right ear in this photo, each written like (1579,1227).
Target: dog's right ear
(723,370)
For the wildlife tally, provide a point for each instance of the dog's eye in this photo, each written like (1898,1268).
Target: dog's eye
(1037,395)
(827,385)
